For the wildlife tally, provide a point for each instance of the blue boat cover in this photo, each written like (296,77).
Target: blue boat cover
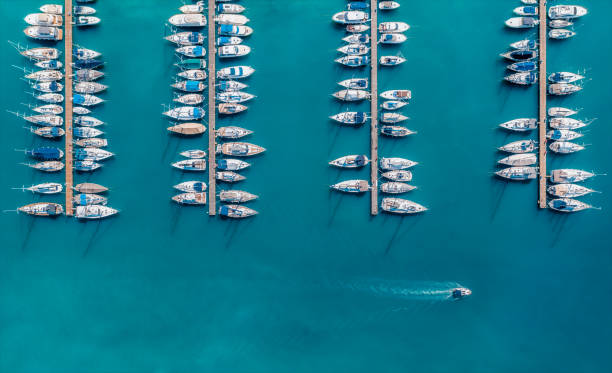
(224,210)
(82,199)
(228,29)
(359,117)
(194,36)
(78,99)
(199,51)
(222,164)
(197,113)
(357,5)
(45,153)
(192,85)
(198,187)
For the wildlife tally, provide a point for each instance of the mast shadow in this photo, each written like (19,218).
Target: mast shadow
(30,229)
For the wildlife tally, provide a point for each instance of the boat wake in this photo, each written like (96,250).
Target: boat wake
(427,291)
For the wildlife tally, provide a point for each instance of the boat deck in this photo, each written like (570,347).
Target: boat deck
(374,108)
(542,107)
(212,111)
(68,104)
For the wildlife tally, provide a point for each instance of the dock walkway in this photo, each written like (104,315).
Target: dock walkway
(374,108)
(212,112)
(68,104)
(542,107)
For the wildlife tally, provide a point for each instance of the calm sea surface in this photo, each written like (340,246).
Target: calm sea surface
(314,283)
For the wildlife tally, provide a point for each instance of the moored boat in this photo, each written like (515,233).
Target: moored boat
(350,17)
(351,95)
(520,55)
(396,163)
(235,97)
(563,135)
(190,165)
(566,11)
(564,77)
(86,20)
(401,206)
(235,72)
(394,187)
(186,38)
(94,212)
(391,60)
(193,74)
(191,186)
(92,142)
(352,186)
(85,199)
(89,87)
(188,20)
(561,34)
(42,209)
(565,147)
(520,125)
(392,38)
(44,188)
(397,94)
(190,99)
(393,104)
(229,176)
(518,173)
(52,9)
(398,175)
(350,161)
(355,83)
(522,78)
(193,153)
(568,205)
(523,159)
(41,53)
(45,75)
(561,112)
(522,22)
(190,198)
(395,131)
(350,117)
(44,19)
(239,149)
(189,86)
(568,175)
(185,113)
(563,89)
(232,132)
(392,118)
(393,27)
(188,129)
(353,61)
(48,132)
(236,211)
(565,123)
(90,188)
(231,19)
(194,51)
(86,166)
(568,190)
(236,196)
(234,30)
(230,108)
(47,166)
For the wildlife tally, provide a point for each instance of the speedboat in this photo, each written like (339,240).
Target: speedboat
(401,206)
(92,154)
(522,22)
(230,85)
(234,97)
(189,86)
(526,10)
(398,175)
(193,153)
(190,198)
(568,190)
(86,166)
(85,54)
(524,44)
(45,153)
(357,28)
(44,188)
(94,212)
(565,147)
(234,30)
(459,293)
(518,173)
(93,142)
(354,49)
(350,117)
(48,132)
(86,100)
(239,149)
(350,17)
(230,8)
(353,61)
(393,104)
(86,132)
(193,8)
(351,95)
(49,64)
(229,176)
(397,94)
(392,38)
(235,72)
(355,83)
(568,205)
(352,186)
(236,196)
(44,19)
(566,11)
(523,78)
(394,187)
(564,77)
(396,163)
(188,20)
(232,164)
(350,161)
(90,188)
(391,60)
(561,112)
(48,109)
(228,108)
(563,135)
(563,89)
(188,129)
(521,124)
(228,40)
(191,186)
(232,132)
(42,209)
(190,165)
(87,121)
(85,199)
(52,98)
(357,39)
(186,38)
(86,20)
(525,159)
(520,55)
(523,66)
(231,19)
(41,53)
(565,123)
(83,10)
(392,27)
(236,211)
(191,99)
(560,23)
(560,33)
(568,175)
(52,9)
(392,117)
(195,51)
(228,51)
(193,74)
(395,131)
(89,87)
(388,5)
(185,113)
(47,166)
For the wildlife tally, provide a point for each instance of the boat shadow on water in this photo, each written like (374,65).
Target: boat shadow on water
(558,221)
(499,186)
(334,211)
(98,232)
(402,220)
(28,234)
(232,229)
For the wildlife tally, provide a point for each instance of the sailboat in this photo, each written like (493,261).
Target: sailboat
(401,206)
(44,188)
(568,205)
(568,190)
(352,186)
(396,163)
(94,212)
(236,211)
(190,198)
(191,186)
(42,209)
(236,196)
(350,161)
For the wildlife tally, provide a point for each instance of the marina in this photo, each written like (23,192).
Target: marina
(212,110)
(542,108)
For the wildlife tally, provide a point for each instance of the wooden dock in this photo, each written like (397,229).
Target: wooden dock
(374,108)
(212,112)
(68,104)
(542,107)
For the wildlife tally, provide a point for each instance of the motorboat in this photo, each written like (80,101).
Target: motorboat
(522,22)
(350,161)
(89,87)
(87,121)
(565,147)
(357,5)
(41,53)
(234,30)
(357,39)
(392,118)
(394,187)
(195,51)
(232,132)
(193,74)
(392,38)
(239,149)
(190,99)
(86,20)
(191,186)
(355,83)
(350,117)
(401,206)
(395,131)
(392,27)
(563,89)
(393,104)
(354,49)
(188,129)
(353,61)
(397,94)
(234,97)
(398,175)
(44,19)
(568,175)
(523,78)
(90,188)
(229,176)
(351,95)
(527,10)
(524,159)
(561,33)
(391,60)
(563,135)
(80,10)
(518,173)
(230,108)
(228,40)
(357,28)
(191,165)
(46,209)
(352,186)
(235,72)
(388,5)
(524,44)
(521,124)
(85,199)
(396,163)
(236,196)
(193,153)
(236,211)
(565,123)
(86,166)
(460,293)
(520,54)
(566,11)
(94,212)
(568,190)
(568,205)
(561,112)
(189,86)
(231,19)
(52,9)
(230,8)
(185,113)
(523,66)
(193,8)
(350,17)
(232,164)
(186,38)
(560,23)
(190,198)
(188,20)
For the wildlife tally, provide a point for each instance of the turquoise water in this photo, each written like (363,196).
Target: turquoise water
(314,283)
